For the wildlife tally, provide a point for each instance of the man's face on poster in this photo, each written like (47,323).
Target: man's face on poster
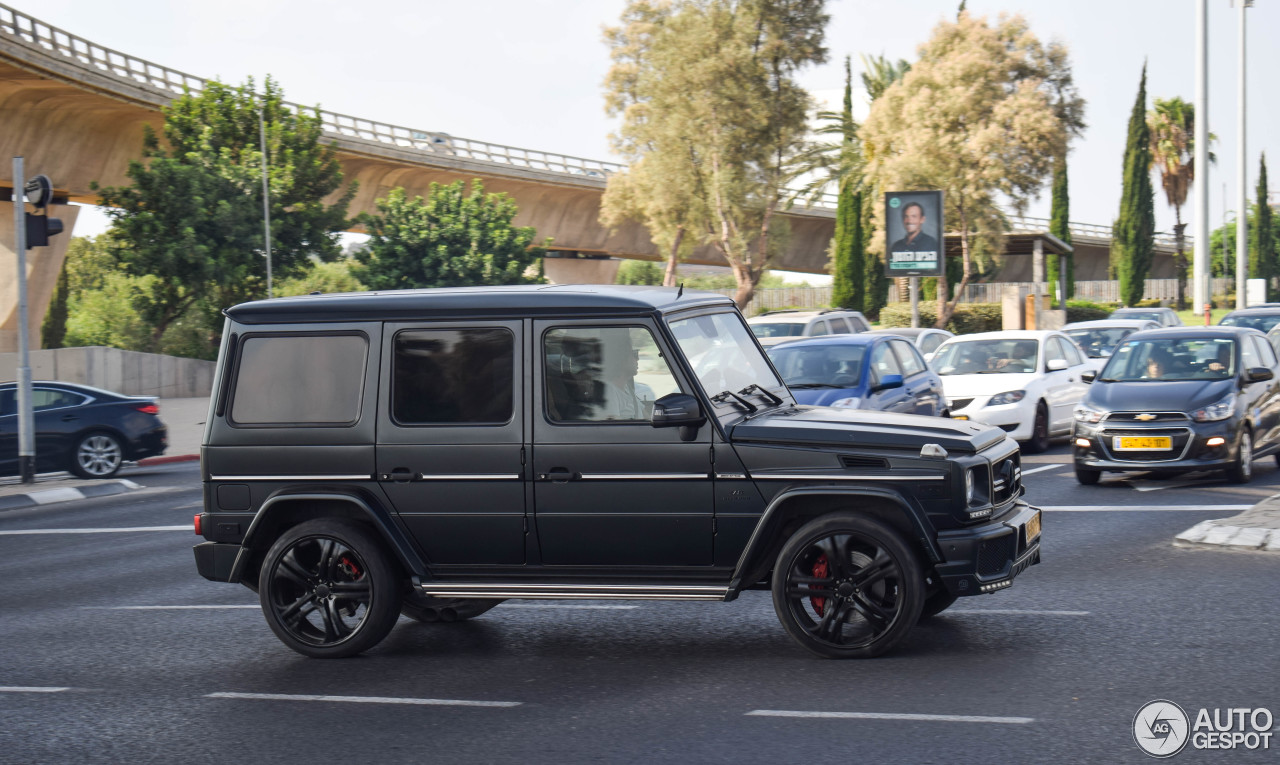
(913,219)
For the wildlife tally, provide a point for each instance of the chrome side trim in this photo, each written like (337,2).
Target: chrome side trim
(641,476)
(324,477)
(468,476)
(573,591)
(731,476)
(844,477)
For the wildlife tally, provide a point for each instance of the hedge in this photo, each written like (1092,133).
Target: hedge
(967,319)
(1084,310)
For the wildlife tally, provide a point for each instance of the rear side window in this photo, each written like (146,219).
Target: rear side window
(454,376)
(48,398)
(293,380)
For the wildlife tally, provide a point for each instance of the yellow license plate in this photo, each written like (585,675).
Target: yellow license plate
(1143,444)
(1032,528)
(959,416)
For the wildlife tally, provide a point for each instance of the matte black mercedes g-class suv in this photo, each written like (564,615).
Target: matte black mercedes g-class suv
(434,452)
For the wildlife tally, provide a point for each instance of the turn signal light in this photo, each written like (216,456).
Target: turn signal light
(1216,441)
(1083,443)
(149,409)
(197,525)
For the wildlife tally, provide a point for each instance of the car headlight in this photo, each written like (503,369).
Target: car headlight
(1218,410)
(1012,397)
(1086,414)
(968,486)
(847,403)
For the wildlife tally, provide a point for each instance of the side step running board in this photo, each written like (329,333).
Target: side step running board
(564,591)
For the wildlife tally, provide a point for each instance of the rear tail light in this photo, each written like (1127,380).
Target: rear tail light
(148,409)
(197,524)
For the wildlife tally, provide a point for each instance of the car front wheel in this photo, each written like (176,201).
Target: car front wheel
(847,587)
(1242,470)
(97,455)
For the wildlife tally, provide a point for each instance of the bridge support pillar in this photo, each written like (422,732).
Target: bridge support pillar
(43,266)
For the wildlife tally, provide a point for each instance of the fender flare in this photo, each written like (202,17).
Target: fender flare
(761,538)
(367,510)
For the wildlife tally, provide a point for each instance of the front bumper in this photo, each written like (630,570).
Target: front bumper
(1015,419)
(986,558)
(1189,439)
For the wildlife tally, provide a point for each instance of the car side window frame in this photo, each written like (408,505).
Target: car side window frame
(905,350)
(1071,351)
(1266,352)
(877,375)
(84,399)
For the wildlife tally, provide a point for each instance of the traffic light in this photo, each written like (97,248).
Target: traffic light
(40,227)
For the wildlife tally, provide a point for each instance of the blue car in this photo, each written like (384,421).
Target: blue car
(884,373)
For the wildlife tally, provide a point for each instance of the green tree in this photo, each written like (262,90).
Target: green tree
(1059,226)
(192,218)
(642,272)
(849,260)
(1172,127)
(712,88)
(322,277)
(974,117)
(451,239)
(1264,261)
(54,328)
(1132,243)
(878,73)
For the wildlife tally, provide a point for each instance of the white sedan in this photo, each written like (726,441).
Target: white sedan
(1026,382)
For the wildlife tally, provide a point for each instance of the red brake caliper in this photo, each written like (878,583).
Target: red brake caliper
(349,568)
(820,571)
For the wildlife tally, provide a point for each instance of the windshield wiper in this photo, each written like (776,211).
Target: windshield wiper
(802,386)
(725,395)
(773,398)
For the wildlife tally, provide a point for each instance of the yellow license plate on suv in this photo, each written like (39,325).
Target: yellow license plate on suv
(1032,529)
(1141,444)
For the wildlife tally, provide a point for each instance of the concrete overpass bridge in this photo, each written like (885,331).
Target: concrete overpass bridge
(75,110)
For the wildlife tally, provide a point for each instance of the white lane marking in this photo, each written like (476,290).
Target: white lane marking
(1045,467)
(363,699)
(566,607)
(888,716)
(1141,508)
(21,532)
(30,689)
(130,484)
(1175,485)
(1015,611)
(160,608)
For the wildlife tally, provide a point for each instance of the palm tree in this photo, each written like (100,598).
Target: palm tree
(1172,124)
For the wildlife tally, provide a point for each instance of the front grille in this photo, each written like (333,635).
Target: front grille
(994,554)
(853,461)
(1181,440)
(1006,478)
(1146,417)
(959,403)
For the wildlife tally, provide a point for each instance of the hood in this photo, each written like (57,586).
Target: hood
(970,386)
(1162,396)
(854,428)
(826,396)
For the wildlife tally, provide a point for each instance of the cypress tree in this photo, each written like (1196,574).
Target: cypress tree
(876,281)
(54,328)
(848,285)
(1263,257)
(1132,242)
(1059,227)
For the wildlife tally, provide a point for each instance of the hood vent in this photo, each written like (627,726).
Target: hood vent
(856,463)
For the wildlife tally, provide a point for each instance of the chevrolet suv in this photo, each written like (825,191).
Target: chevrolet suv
(435,452)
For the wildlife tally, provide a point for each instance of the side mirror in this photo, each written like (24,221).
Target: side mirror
(1088,376)
(887,382)
(1056,365)
(677,410)
(1258,374)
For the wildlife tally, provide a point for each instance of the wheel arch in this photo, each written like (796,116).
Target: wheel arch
(793,508)
(284,511)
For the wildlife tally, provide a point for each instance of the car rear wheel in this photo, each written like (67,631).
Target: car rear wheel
(328,589)
(434,610)
(97,455)
(847,587)
(1242,470)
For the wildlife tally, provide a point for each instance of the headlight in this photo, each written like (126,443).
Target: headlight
(1085,414)
(968,486)
(1012,397)
(847,403)
(1219,410)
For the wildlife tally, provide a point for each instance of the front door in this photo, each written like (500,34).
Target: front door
(609,488)
(884,363)
(451,438)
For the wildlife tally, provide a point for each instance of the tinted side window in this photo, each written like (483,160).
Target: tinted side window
(911,362)
(858,324)
(1249,355)
(296,380)
(1265,353)
(47,398)
(8,402)
(931,343)
(839,326)
(604,374)
(453,376)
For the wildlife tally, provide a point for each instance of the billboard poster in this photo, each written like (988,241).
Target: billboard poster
(913,233)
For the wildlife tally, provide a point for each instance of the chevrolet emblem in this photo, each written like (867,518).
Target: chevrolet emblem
(1145,417)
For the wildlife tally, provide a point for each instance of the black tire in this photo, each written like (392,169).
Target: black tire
(1087,477)
(1278,459)
(97,455)
(1039,440)
(847,587)
(329,589)
(937,603)
(1241,471)
(430,610)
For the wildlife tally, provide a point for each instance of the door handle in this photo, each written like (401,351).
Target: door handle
(399,475)
(558,475)
(69,418)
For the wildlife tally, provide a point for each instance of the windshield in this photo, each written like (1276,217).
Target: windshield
(778,329)
(722,353)
(1264,322)
(980,357)
(819,366)
(1098,342)
(1138,315)
(1171,359)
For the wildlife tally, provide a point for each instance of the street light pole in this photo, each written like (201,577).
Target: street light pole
(26,435)
(1242,173)
(266,195)
(1202,293)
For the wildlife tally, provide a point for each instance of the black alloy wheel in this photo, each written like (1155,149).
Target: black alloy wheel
(328,589)
(847,587)
(1039,430)
(97,455)
(429,610)
(1241,471)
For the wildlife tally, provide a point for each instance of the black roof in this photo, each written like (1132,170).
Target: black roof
(1257,310)
(475,302)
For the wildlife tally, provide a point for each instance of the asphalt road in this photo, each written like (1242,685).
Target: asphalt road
(115,650)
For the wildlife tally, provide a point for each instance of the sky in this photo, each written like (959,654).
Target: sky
(529,74)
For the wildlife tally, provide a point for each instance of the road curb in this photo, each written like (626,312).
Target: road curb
(1254,530)
(66,494)
(168,459)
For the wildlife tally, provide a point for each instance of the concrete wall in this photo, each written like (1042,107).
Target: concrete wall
(127,372)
